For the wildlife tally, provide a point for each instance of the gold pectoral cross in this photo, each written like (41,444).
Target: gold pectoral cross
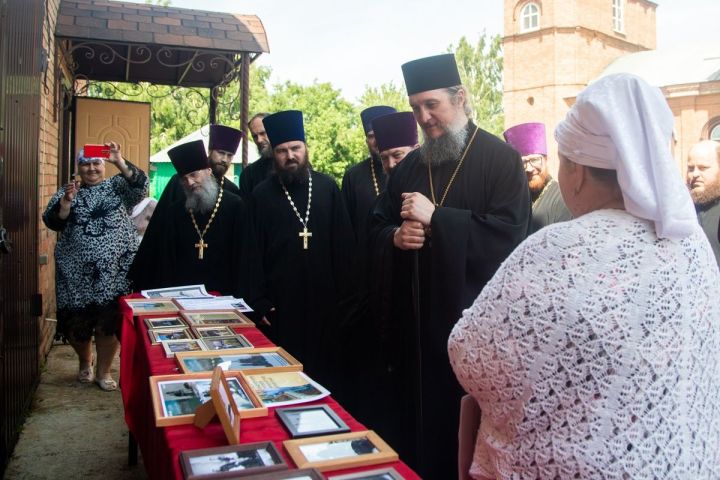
(305,234)
(201,246)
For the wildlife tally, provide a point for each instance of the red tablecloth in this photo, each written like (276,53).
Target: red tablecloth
(161,447)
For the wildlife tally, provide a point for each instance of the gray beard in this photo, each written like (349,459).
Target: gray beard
(266,152)
(445,149)
(203,200)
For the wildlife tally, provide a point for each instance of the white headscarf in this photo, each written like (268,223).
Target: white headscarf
(621,123)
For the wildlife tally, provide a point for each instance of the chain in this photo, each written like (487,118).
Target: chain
(374,178)
(292,204)
(212,215)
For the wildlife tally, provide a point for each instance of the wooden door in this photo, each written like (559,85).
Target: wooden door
(127,123)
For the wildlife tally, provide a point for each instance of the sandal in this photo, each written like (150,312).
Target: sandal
(107,384)
(86,375)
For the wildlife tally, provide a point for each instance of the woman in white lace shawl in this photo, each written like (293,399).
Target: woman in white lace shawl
(594,352)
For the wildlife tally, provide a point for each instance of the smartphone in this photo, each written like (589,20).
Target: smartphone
(96,151)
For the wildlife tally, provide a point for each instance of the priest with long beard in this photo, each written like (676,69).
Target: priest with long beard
(453,210)
(548,205)
(305,241)
(207,238)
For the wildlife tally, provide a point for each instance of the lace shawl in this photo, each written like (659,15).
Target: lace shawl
(594,353)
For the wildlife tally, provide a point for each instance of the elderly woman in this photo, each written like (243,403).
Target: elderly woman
(94,250)
(594,352)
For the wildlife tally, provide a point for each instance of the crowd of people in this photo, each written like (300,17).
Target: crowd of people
(580,312)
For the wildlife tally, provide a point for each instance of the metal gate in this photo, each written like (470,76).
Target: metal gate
(21,22)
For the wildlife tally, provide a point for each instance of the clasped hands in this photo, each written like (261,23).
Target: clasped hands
(416,212)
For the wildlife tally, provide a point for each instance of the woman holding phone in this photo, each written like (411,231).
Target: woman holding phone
(95,248)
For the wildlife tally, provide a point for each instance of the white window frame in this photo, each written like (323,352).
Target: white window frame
(618,15)
(530,15)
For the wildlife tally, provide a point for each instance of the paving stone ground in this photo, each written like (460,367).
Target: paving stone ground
(74,431)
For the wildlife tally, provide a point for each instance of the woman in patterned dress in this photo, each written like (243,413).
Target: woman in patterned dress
(96,245)
(594,351)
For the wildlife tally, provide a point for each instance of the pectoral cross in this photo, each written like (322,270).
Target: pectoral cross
(305,234)
(201,246)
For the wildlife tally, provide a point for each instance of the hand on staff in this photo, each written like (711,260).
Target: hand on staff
(417,207)
(410,236)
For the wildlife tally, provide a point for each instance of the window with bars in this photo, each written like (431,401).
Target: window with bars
(530,17)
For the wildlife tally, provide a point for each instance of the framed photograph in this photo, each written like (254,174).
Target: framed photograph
(162,334)
(176,397)
(311,421)
(231,461)
(279,389)
(229,318)
(224,343)
(213,331)
(388,473)
(225,407)
(176,346)
(273,359)
(154,306)
(304,474)
(335,452)
(173,292)
(153,323)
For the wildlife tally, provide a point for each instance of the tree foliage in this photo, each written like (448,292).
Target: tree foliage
(481,68)
(386,94)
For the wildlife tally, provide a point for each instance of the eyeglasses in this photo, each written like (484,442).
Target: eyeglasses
(534,161)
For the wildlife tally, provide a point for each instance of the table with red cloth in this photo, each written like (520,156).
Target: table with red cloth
(161,446)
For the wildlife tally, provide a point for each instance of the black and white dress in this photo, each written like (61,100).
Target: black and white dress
(96,245)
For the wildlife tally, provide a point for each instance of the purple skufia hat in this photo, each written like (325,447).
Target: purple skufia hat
(371,113)
(189,157)
(395,130)
(224,138)
(527,138)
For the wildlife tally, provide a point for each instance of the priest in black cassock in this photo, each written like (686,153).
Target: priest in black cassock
(261,168)
(453,210)
(305,241)
(207,238)
(222,145)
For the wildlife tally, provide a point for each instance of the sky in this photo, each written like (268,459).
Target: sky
(352,44)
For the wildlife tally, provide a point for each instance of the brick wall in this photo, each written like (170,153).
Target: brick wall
(48,181)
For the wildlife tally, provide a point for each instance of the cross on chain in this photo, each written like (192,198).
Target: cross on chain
(201,246)
(305,234)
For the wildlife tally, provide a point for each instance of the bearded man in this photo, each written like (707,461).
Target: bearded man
(306,243)
(207,238)
(222,143)
(261,168)
(548,205)
(703,180)
(452,211)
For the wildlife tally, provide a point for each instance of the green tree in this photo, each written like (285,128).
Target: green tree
(161,3)
(385,94)
(481,68)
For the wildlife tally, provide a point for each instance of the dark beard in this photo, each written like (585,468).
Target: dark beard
(708,196)
(300,175)
(202,201)
(445,149)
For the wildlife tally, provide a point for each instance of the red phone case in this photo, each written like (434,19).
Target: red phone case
(96,151)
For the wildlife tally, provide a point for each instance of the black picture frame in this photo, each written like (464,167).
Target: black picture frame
(291,418)
(194,472)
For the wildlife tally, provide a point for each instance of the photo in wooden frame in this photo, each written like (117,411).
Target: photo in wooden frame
(225,406)
(303,474)
(280,389)
(212,331)
(272,359)
(154,306)
(336,452)
(177,397)
(172,347)
(311,421)
(387,473)
(231,318)
(158,335)
(231,461)
(155,323)
(226,343)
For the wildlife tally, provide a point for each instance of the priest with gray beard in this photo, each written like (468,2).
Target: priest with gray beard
(453,210)
(208,236)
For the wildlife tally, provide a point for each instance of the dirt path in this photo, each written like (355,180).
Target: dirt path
(74,431)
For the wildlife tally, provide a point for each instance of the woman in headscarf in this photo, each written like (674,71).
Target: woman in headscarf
(594,352)
(95,248)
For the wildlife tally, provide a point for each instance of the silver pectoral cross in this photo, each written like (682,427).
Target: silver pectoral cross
(305,234)
(201,246)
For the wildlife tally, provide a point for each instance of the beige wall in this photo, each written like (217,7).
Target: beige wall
(544,70)
(48,182)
